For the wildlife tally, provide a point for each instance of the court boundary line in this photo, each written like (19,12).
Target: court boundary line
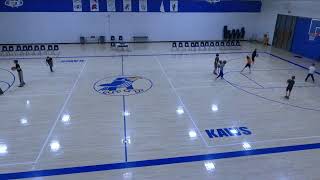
(158,162)
(166,161)
(290,62)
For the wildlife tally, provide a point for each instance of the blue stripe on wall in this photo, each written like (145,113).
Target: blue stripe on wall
(39,6)
(223,6)
(153,6)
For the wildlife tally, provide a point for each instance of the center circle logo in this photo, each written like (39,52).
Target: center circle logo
(123,85)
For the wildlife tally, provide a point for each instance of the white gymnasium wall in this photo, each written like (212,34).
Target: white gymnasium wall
(271,8)
(68,27)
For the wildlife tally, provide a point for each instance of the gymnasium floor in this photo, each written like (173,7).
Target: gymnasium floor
(177,122)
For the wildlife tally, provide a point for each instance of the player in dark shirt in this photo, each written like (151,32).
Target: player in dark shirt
(290,83)
(254,55)
(216,62)
(248,64)
(20,73)
(221,73)
(50,62)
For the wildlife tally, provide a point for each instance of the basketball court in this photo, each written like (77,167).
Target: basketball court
(177,118)
(133,94)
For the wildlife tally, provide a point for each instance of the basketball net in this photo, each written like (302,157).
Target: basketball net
(312,36)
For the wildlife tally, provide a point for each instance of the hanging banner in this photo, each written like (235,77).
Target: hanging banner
(162,7)
(94,5)
(143,5)
(127,6)
(77,5)
(174,6)
(111,5)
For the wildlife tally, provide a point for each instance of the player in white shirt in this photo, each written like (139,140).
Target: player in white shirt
(312,70)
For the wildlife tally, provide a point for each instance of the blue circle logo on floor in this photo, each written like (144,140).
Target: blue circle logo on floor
(123,85)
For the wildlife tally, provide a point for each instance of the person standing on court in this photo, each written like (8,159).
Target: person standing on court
(254,55)
(216,62)
(249,62)
(290,83)
(222,64)
(50,62)
(20,73)
(312,70)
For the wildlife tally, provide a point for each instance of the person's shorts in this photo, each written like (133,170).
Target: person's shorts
(248,65)
(289,89)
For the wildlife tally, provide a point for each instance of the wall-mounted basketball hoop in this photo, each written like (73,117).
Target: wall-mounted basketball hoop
(213,1)
(312,36)
(314,30)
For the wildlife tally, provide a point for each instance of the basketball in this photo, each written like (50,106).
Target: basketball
(13,68)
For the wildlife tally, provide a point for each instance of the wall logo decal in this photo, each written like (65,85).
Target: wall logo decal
(14,3)
(123,85)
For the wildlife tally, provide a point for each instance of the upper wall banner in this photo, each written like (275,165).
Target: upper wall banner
(94,5)
(77,5)
(167,6)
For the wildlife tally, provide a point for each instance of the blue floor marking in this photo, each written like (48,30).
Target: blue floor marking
(262,87)
(252,80)
(158,162)
(248,92)
(122,66)
(14,80)
(290,62)
(125,129)
(5,83)
(124,117)
(164,161)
